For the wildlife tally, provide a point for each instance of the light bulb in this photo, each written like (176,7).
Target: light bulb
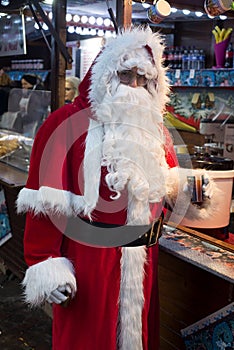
(76,18)
(99,21)
(92,20)
(107,22)
(100,32)
(198,13)
(68,17)
(44,26)
(71,29)
(5,2)
(186,12)
(84,19)
(146,6)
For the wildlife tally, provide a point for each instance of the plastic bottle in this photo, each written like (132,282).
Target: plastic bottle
(190,59)
(195,59)
(171,58)
(176,58)
(185,59)
(180,52)
(229,57)
(202,59)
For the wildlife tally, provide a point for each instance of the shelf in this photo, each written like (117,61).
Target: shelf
(201,78)
(17,74)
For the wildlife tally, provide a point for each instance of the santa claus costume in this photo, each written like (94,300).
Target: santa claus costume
(106,157)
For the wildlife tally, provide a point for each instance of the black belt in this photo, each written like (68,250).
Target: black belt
(151,237)
(148,239)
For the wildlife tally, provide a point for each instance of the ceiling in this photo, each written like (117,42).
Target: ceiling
(99,7)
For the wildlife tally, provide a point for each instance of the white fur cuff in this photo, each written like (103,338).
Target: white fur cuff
(42,278)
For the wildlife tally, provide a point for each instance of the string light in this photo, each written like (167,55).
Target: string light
(78,30)
(223,17)
(92,20)
(84,19)
(44,26)
(99,21)
(76,18)
(107,22)
(198,13)
(68,17)
(186,12)
(81,25)
(71,29)
(5,2)
(100,32)
(93,31)
(146,6)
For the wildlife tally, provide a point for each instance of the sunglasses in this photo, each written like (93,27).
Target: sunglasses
(126,77)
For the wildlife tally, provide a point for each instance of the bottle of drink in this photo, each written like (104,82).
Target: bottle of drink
(195,59)
(171,58)
(165,57)
(176,57)
(185,59)
(190,59)
(202,59)
(180,52)
(229,57)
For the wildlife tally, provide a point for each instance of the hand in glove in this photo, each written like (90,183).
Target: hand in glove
(199,190)
(60,294)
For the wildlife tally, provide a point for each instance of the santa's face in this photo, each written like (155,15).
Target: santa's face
(132,78)
(133,145)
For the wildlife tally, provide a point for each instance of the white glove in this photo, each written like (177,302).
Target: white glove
(207,188)
(60,294)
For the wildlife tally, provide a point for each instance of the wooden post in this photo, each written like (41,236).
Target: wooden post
(124,13)
(58,62)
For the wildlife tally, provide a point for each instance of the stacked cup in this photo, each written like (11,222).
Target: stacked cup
(158,11)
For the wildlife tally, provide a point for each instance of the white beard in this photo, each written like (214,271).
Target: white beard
(132,149)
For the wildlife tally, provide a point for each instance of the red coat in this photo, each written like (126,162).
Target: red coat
(90,320)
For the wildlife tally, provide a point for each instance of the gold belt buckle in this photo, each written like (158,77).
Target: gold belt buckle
(153,238)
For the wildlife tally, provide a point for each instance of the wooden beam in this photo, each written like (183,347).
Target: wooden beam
(124,13)
(58,62)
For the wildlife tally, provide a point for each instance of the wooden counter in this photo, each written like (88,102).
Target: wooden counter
(196,278)
(12,177)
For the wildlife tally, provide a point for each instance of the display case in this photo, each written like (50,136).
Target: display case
(16,75)
(15,149)
(196,95)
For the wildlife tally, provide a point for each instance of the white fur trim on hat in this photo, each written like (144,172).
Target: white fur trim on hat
(125,51)
(44,277)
